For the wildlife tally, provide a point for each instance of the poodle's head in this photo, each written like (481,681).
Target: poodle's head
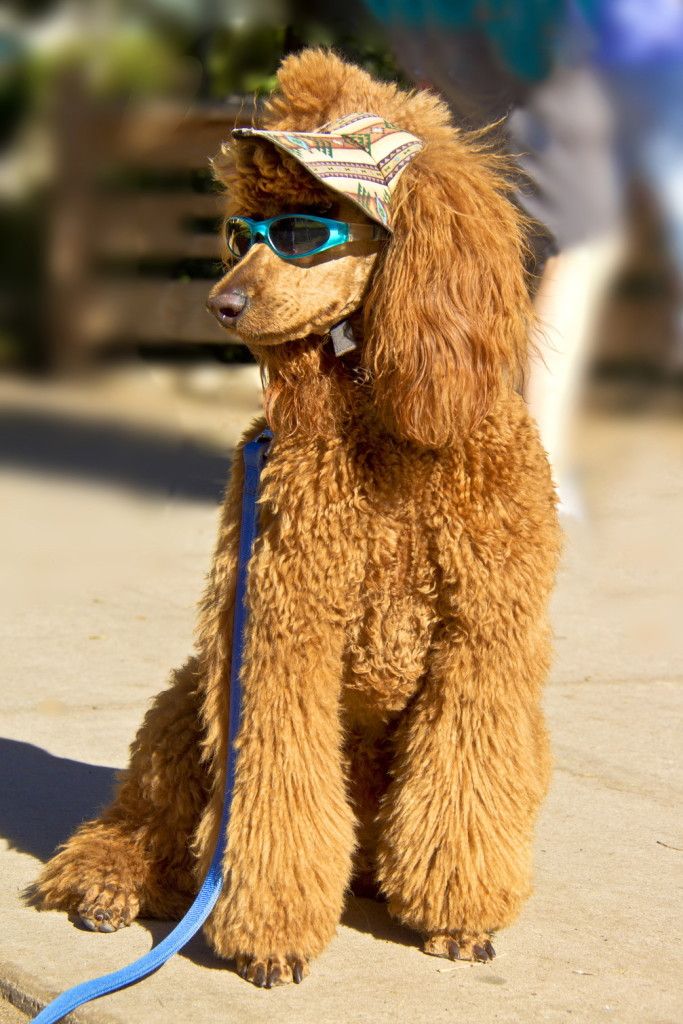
(441,300)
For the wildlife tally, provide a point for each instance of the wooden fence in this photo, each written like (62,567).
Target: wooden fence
(134,235)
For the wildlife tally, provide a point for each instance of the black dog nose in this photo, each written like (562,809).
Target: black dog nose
(227,306)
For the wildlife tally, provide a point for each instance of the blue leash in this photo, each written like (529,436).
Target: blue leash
(254,453)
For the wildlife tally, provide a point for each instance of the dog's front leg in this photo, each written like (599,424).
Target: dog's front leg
(471,769)
(290,837)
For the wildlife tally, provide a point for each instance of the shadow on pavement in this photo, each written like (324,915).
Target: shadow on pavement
(43,798)
(362,915)
(372,917)
(110,453)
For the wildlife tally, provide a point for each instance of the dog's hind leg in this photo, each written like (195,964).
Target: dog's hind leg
(146,854)
(136,857)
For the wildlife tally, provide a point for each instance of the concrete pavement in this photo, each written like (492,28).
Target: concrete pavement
(109,492)
(10,1014)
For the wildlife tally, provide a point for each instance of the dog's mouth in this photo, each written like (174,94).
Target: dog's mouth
(235,312)
(232,308)
(273,338)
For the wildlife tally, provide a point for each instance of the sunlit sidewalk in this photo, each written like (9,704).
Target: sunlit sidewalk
(109,492)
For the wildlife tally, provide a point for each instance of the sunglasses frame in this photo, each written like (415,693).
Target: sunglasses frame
(341,231)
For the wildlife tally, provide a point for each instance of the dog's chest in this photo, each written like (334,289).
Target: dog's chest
(389,631)
(358,525)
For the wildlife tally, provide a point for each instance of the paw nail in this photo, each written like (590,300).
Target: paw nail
(273,976)
(454,950)
(489,949)
(480,953)
(298,973)
(260,976)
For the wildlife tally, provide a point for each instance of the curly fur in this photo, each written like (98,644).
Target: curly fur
(397,645)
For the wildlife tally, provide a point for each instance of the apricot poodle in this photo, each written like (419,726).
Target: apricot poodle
(392,734)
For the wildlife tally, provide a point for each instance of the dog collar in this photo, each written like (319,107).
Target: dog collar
(342,338)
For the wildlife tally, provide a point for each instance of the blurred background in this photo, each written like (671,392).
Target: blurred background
(112,371)
(111,110)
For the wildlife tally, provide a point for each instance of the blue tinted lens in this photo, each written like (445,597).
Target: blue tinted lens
(297,236)
(238,235)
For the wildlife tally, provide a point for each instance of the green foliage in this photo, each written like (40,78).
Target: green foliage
(130,61)
(139,54)
(244,59)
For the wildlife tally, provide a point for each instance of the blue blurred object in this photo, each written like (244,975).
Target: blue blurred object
(630,33)
(638,47)
(524,65)
(522,34)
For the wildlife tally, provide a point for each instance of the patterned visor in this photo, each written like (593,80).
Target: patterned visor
(360,155)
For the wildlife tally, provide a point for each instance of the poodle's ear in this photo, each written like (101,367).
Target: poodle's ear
(448,313)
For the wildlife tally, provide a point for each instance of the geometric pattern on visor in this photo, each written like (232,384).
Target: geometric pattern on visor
(362,156)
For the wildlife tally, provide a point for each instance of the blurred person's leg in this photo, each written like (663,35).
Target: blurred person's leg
(648,101)
(659,155)
(666,181)
(564,133)
(568,301)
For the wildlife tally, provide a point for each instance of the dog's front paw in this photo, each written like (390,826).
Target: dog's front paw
(108,907)
(276,970)
(460,945)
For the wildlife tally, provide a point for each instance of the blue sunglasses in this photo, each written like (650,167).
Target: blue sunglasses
(291,236)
